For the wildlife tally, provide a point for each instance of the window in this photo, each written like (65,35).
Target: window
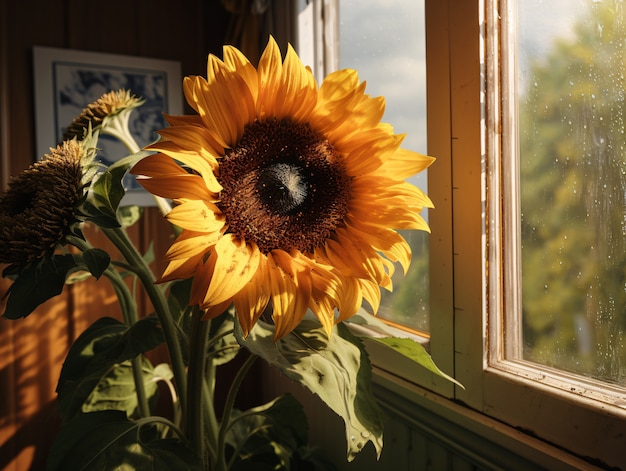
(554,221)
(571,114)
(526,268)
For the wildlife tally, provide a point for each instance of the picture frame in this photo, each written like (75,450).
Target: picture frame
(67,80)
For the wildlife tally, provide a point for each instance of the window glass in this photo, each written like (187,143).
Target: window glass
(385,41)
(571,97)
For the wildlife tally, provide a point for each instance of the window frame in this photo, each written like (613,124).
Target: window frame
(560,408)
(475,235)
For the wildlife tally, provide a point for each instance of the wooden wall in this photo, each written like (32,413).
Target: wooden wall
(32,350)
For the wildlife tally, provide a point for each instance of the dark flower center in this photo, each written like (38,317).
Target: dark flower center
(284,187)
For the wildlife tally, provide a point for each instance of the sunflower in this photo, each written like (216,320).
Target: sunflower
(41,206)
(109,114)
(289,195)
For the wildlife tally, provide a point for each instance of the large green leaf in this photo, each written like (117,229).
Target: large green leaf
(108,440)
(105,343)
(44,279)
(36,283)
(116,389)
(337,369)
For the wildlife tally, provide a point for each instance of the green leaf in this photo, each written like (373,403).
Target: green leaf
(416,352)
(107,191)
(105,343)
(36,283)
(116,389)
(336,369)
(269,434)
(407,347)
(43,279)
(97,261)
(108,440)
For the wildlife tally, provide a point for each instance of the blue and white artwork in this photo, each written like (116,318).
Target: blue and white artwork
(67,80)
(79,85)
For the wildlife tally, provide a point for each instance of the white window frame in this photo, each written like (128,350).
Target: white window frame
(474,281)
(579,414)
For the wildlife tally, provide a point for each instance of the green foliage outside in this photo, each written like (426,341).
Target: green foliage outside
(573,199)
(408,304)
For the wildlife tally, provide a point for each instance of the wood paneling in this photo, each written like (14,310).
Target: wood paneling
(32,349)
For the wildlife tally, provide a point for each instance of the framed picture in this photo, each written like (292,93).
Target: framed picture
(66,81)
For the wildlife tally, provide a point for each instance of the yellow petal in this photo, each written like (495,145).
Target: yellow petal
(292,277)
(324,295)
(253,298)
(211,312)
(183,120)
(228,101)
(170,180)
(197,92)
(240,65)
(189,84)
(270,71)
(205,165)
(346,256)
(406,163)
(191,244)
(371,155)
(384,240)
(351,298)
(157,165)
(339,84)
(197,215)
(298,94)
(180,269)
(371,293)
(178,187)
(234,263)
(193,138)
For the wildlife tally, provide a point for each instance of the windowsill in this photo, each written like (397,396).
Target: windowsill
(466,432)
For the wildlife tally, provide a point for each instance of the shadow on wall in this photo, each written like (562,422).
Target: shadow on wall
(32,351)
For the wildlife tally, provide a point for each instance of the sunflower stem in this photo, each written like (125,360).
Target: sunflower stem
(120,239)
(228,409)
(118,128)
(208,394)
(194,421)
(129,313)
